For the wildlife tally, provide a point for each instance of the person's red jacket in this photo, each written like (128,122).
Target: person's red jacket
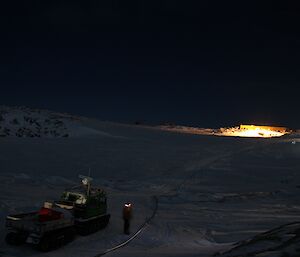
(127,211)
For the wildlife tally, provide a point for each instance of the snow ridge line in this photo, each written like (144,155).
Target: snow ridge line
(142,227)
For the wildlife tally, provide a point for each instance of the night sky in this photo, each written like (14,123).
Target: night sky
(203,63)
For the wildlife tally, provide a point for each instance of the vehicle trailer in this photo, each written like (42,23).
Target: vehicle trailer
(46,229)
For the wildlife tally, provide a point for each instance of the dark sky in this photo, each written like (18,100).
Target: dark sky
(206,63)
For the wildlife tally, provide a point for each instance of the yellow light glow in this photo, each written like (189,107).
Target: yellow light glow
(254,131)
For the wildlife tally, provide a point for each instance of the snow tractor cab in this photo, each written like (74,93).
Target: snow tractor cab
(89,206)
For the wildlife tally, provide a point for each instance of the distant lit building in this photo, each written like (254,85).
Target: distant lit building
(271,128)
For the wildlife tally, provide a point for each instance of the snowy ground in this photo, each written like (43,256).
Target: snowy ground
(214,193)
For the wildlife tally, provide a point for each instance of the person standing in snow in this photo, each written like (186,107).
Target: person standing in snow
(127,215)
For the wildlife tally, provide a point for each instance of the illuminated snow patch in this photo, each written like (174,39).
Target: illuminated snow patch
(254,131)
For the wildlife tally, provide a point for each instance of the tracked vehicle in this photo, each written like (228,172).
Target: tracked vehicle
(81,210)
(89,206)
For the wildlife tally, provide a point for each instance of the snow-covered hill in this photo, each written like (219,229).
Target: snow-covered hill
(214,193)
(26,122)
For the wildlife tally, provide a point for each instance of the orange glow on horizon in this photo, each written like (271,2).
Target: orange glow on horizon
(254,131)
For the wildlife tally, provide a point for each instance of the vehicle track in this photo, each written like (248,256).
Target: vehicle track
(142,227)
(176,189)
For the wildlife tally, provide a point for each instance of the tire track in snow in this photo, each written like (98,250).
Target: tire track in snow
(142,227)
(177,189)
(203,164)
